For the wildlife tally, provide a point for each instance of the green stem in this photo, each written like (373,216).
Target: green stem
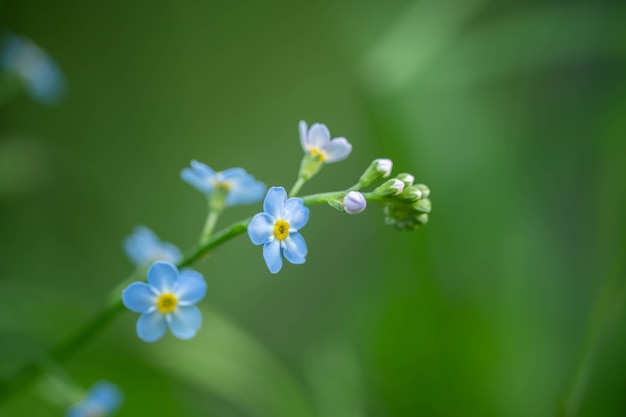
(27,375)
(209,226)
(296,187)
(325,197)
(31,372)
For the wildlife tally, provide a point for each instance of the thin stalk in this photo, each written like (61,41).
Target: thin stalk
(296,187)
(62,351)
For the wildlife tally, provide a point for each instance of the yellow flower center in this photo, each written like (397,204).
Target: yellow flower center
(317,152)
(223,185)
(281,230)
(167,303)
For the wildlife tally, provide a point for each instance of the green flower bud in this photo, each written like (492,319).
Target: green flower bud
(406,216)
(378,169)
(407,179)
(390,188)
(424,189)
(422,218)
(410,194)
(422,205)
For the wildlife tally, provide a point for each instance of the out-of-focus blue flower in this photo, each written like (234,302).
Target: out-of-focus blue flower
(40,75)
(240,187)
(316,141)
(167,300)
(277,229)
(144,247)
(103,399)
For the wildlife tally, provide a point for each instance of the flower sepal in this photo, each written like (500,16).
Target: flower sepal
(310,165)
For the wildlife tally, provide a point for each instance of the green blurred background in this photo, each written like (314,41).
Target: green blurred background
(507,304)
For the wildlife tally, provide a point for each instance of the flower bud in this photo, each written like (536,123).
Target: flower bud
(422,218)
(407,179)
(424,189)
(410,194)
(378,169)
(354,202)
(422,205)
(390,188)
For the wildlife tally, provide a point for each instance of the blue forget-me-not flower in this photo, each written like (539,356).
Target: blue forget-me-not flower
(40,75)
(240,186)
(103,399)
(144,247)
(277,229)
(167,300)
(316,141)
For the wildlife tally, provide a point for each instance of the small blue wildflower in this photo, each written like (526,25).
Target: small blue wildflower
(103,399)
(240,187)
(41,76)
(167,300)
(144,247)
(277,229)
(316,141)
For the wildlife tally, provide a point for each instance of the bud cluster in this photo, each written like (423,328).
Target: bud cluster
(406,205)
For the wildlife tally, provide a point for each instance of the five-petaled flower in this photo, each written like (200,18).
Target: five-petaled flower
(316,141)
(144,247)
(167,300)
(277,229)
(103,399)
(239,186)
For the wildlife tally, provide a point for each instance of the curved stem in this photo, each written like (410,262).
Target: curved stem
(59,353)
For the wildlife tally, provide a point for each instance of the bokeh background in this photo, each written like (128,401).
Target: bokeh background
(508,303)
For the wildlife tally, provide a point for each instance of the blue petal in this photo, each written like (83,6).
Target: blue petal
(151,326)
(274,202)
(337,150)
(143,247)
(199,176)
(185,322)
(271,254)
(261,228)
(319,136)
(246,190)
(135,245)
(296,213)
(162,276)
(190,287)
(232,174)
(40,74)
(303,128)
(139,297)
(202,169)
(167,252)
(107,395)
(295,248)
